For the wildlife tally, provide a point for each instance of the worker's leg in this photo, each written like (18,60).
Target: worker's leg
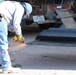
(6,63)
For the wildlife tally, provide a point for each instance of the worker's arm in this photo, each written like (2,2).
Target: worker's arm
(16,22)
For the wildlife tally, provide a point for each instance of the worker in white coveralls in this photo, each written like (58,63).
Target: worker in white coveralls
(11,12)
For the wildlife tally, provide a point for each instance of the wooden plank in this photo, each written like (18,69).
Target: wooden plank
(68,22)
(73,15)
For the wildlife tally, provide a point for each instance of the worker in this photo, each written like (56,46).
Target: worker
(11,12)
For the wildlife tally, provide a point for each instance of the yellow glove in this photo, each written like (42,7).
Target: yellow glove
(15,38)
(20,38)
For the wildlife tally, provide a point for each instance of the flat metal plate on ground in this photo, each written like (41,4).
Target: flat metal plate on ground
(58,34)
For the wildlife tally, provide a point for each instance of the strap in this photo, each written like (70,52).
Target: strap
(24,6)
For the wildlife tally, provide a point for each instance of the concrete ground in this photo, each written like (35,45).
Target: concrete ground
(41,59)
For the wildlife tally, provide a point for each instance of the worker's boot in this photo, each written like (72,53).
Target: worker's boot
(11,70)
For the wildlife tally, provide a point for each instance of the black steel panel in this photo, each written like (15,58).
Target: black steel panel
(58,34)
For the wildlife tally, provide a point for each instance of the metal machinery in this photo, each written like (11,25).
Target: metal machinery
(42,13)
(64,34)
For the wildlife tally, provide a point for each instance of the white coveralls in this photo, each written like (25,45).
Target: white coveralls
(12,13)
